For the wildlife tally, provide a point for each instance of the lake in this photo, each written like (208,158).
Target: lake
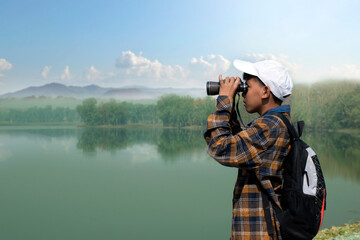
(83,183)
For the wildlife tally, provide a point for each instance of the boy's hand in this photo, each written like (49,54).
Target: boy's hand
(229,87)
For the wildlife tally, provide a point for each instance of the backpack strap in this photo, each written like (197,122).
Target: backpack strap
(267,202)
(267,213)
(266,205)
(300,126)
(290,127)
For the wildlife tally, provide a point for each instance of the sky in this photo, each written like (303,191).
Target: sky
(173,43)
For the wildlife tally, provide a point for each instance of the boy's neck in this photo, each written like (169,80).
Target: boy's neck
(267,107)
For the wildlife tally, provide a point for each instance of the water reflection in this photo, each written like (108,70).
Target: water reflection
(176,142)
(104,139)
(170,143)
(339,153)
(41,132)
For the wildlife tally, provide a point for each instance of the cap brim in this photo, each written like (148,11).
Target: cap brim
(246,67)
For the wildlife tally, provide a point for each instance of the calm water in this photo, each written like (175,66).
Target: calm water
(73,183)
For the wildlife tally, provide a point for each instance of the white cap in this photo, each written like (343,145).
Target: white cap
(271,73)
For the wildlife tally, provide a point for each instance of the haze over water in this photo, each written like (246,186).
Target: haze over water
(79,183)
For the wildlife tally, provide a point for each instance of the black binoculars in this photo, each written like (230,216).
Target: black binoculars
(212,88)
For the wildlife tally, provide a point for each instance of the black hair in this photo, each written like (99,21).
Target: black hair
(247,76)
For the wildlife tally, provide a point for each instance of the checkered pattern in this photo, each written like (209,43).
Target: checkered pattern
(258,152)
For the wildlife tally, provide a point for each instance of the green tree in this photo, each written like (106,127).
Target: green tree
(87,111)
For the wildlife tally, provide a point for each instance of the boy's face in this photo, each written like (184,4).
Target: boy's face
(253,97)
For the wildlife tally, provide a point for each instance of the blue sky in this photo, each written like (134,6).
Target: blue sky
(173,43)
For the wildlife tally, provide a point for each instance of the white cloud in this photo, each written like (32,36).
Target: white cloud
(93,74)
(4,65)
(208,68)
(45,71)
(66,74)
(143,70)
(129,60)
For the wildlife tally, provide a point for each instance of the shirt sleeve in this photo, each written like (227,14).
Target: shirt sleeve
(242,149)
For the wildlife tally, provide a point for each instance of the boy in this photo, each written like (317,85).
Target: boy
(257,151)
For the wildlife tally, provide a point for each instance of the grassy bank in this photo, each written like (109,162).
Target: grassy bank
(342,232)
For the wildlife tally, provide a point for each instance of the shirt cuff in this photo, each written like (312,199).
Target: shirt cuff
(224,103)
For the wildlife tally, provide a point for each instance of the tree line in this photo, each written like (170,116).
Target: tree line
(183,111)
(46,114)
(110,113)
(322,106)
(116,113)
(170,110)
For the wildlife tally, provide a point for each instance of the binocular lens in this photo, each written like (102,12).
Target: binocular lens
(212,88)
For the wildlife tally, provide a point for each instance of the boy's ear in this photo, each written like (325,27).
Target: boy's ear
(266,92)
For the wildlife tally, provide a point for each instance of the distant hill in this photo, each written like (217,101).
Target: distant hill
(134,92)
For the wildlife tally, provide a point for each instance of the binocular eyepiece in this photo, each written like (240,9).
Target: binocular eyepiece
(212,88)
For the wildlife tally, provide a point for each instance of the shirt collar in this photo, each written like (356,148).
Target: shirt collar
(279,109)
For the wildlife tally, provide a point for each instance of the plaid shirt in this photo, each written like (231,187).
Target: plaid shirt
(258,150)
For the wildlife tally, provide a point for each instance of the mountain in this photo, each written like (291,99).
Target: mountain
(57,89)
(125,93)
